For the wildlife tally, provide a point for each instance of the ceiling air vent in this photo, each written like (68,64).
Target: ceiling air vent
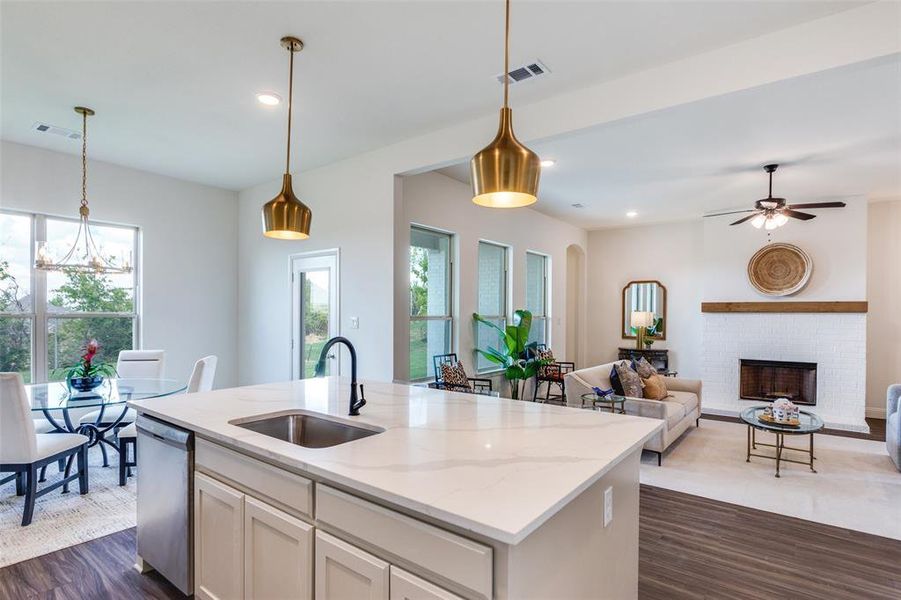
(530,70)
(577,205)
(58,131)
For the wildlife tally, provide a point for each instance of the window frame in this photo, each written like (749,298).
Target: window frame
(448,317)
(545,317)
(41,317)
(503,318)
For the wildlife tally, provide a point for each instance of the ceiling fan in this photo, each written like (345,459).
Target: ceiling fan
(774,212)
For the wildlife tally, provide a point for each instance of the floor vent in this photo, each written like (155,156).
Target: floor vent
(530,70)
(59,131)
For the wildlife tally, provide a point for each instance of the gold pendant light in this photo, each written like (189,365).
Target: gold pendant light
(83,256)
(285,217)
(505,173)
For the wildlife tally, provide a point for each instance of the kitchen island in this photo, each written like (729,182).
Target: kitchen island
(445,495)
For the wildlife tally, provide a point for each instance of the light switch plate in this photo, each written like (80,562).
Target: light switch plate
(355,322)
(608,506)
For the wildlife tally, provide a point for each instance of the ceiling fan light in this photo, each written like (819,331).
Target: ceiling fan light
(758,221)
(771,223)
(780,219)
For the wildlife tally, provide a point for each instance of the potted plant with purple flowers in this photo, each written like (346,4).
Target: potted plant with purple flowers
(89,372)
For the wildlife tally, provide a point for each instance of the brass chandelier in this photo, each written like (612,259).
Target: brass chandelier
(505,173)
(83,255)
(285,217)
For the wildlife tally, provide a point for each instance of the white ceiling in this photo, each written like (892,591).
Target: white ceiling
(173,83)
(837,135)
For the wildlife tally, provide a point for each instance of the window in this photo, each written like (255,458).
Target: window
(537,275)
(46,317)
(431,318)
(492,303)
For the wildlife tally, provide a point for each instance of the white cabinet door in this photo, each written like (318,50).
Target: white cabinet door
(218,540)
(344,572)
(278,554)
(406,586)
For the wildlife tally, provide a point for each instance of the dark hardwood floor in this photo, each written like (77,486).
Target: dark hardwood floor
(690,548)
(693,547)
(99,569)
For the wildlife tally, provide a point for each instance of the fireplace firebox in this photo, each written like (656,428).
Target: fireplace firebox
(768,380)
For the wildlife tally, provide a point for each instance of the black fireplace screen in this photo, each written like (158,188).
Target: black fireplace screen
(768,380)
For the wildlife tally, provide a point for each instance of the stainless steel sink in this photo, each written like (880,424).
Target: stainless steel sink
(306,430)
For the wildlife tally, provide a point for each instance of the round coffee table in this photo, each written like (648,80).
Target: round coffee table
(614,403)
(810,424)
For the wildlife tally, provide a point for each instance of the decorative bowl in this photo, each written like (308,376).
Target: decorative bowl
(85,384)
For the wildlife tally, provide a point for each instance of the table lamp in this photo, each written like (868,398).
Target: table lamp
(641,320)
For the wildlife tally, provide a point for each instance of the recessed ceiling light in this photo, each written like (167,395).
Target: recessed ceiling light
(269,98)
(631,214)
(548,162)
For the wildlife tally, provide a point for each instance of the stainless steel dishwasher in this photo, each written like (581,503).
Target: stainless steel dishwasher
(165,456)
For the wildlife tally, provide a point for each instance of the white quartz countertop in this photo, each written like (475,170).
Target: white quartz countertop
(493,466)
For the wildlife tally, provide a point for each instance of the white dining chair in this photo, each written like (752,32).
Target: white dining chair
(24,452)
(141,363)
(201,380)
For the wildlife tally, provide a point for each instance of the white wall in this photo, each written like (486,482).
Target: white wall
(188,231)
(671,254)
(836,242)
(884,295)
(439,202)
(353,211)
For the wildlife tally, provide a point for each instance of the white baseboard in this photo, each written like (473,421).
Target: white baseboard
(876,412)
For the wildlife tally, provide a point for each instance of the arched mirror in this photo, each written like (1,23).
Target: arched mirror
(644,304)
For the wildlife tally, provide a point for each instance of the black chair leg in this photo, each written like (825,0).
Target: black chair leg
(43,476)
(20,483)
(103,452)
(660,459)
(82,458)
(123,459)
(66,472)
(535,392)
(61,463)
(31,489)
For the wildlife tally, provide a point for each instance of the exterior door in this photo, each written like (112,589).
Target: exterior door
(314,308)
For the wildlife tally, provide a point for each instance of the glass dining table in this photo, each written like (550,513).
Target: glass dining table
(65,407)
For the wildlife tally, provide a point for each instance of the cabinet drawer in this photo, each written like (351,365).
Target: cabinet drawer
(278,487)
(445,554)
(406,586)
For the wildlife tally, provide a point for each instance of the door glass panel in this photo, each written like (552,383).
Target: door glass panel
(315,319)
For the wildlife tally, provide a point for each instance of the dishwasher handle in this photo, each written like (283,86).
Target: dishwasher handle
(174,436)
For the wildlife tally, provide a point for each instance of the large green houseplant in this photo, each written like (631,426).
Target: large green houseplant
(518,357)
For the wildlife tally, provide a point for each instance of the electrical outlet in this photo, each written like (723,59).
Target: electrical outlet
(355,322)
(608,506)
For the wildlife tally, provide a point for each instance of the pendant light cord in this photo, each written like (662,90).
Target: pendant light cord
(507,54)
(84,159)
(290,105)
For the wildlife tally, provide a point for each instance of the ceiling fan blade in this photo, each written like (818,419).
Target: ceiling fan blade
(743,219)
(732,212)
(797,214)
(818,205)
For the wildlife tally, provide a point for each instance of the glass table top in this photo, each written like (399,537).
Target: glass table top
(810,423)
(57,395)
(610,399)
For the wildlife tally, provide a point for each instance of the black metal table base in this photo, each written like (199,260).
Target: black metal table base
(780,449)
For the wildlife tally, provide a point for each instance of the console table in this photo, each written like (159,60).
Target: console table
(658,357)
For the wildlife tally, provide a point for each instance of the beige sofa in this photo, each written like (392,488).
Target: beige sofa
(678,412)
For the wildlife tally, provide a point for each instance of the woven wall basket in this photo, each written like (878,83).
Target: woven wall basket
(779,269)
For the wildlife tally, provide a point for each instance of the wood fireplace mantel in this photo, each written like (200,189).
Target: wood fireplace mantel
(785,307)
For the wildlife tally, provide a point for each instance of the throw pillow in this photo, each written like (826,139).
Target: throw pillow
(615,382)
(453,375)
(548,356)
(629,379)
(655,387)
(644,368)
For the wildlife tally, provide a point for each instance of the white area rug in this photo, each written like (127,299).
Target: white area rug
(856,485)
(62,520)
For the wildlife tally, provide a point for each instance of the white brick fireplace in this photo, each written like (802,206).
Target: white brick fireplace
(836,342)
